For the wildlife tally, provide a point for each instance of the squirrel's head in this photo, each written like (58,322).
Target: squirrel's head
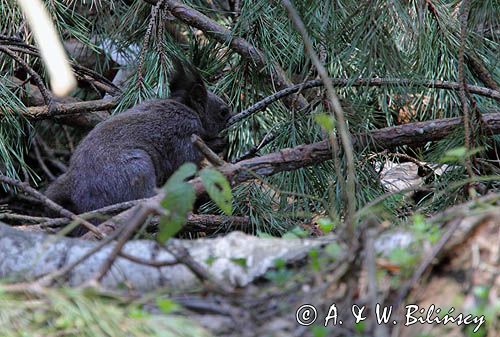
(187,87)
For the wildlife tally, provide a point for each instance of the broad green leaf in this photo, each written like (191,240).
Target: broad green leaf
(326,225)
(178,202)
(218,189)
(326,121)
(295,233)
(166,305)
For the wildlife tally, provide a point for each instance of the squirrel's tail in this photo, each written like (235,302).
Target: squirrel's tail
(59,192)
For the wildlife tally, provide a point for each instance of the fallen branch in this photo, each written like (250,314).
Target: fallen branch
(31,255)
(290,159)
(28,256)
(462,221)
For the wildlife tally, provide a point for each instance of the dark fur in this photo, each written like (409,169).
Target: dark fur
(127,156)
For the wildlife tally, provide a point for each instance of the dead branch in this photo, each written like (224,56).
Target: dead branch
(49,203)
(61,109)
(290,159)
(38,254)
(28,256)
(213,158)
(141,215)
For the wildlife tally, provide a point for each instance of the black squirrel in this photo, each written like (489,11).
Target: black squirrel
(128,155)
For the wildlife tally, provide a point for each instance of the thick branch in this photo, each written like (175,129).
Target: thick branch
(59,109)
(27,256)
(309,154)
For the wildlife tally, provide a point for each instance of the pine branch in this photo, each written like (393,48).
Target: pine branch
(375,82)
(223,35)
(62,109)
(47,96)
(412,134)
(480,70)
(348,185)
(84,73)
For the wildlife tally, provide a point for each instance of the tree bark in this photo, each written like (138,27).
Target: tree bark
(27,256)
(309,154)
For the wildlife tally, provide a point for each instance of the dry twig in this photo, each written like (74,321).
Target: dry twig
(50,204)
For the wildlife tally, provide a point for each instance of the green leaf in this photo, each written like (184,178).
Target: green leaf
(314,255)
(218,189)
(482,292)
(319,331)
(419,223)
(178,202)
(280,276)
(137,313)
(459,154)
(295,233)
(166,305)
(279,263)
(326,225)
(360,327)
(326,121)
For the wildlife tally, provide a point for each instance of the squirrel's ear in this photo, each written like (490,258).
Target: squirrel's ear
(186,84)
(179,78)
(197,97)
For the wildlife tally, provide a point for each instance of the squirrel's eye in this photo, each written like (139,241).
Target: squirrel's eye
(224,112)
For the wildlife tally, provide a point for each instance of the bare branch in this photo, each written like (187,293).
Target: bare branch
(47,96)
(213,158)
(464,14)
(290,159)
(50,204)
(61,109)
